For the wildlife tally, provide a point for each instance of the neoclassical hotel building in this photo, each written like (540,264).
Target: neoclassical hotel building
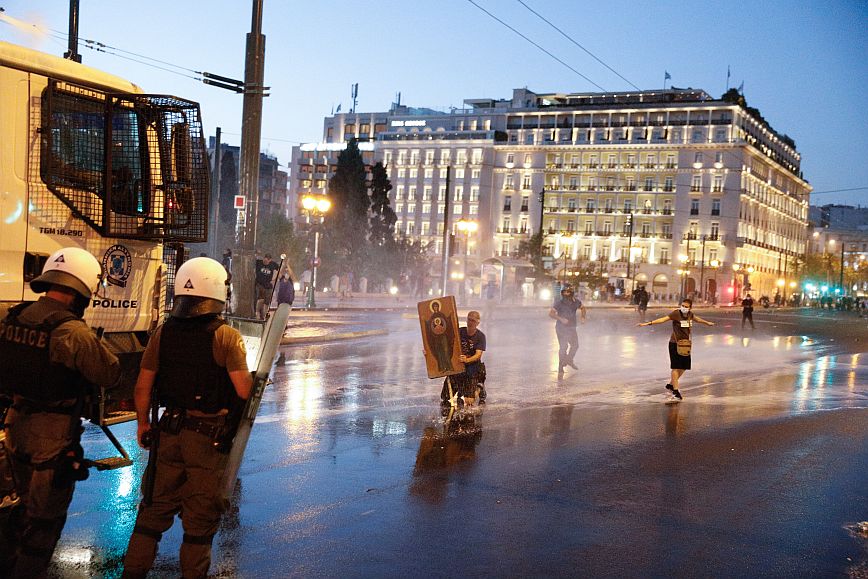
(670,189)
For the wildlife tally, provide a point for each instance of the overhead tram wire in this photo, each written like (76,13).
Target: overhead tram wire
(571,39)
(537,45)
(97,46)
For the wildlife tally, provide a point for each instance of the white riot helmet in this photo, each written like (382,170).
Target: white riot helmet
(70,267)
(200,288)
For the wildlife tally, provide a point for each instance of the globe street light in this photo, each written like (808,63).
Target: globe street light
(315,205)
(468,227)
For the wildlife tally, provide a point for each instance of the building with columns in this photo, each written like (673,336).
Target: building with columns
(670,189)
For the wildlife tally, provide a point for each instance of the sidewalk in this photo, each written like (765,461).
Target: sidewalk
(383,301)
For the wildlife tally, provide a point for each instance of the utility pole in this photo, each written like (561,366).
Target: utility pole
(841,278)
(542,209)
(446,234)
(702,272)
(251,130)
(72,52)
(630,251)
(214,216)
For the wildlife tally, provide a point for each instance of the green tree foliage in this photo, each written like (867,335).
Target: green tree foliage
(382,216)
(588,272)
(532,250)
(346,225)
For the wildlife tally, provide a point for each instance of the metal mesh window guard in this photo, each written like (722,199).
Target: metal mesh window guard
(131,166)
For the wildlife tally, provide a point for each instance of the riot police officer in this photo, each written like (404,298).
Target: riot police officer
(195,366)
(48,356)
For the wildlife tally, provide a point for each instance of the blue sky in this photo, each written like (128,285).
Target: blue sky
(803,64)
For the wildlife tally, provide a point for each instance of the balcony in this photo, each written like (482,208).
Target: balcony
(666,211)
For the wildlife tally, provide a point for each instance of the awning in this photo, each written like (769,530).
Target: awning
(508,262)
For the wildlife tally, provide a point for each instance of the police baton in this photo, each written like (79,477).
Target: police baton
(151,441)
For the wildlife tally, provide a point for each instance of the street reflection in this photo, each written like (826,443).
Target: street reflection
(672,423)
(452,445)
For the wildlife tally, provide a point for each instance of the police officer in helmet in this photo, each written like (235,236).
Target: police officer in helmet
(196,367)
(48,356)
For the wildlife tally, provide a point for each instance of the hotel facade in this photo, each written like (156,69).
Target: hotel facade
(672,190)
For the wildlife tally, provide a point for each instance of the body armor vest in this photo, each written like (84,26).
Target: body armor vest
(25,362)
(188,377)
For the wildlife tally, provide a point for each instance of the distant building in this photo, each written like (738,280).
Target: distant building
(839,233)
(273,192)
(838,217)
(690,191)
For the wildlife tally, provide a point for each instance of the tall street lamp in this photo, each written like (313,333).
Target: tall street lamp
(683,272)
(316,206)
(468,227)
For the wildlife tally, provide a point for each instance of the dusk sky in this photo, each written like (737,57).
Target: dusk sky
(804,65)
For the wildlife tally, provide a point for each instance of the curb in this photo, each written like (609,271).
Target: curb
(285,341)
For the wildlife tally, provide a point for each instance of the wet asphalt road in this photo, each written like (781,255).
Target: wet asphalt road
(352,470)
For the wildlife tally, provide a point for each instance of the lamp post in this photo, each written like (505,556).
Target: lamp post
(315,205)
(735,268)
(713,264)
(466,226)
(683,272)
(630,251)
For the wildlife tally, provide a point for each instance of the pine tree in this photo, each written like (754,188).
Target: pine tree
(346,225)
(383,217)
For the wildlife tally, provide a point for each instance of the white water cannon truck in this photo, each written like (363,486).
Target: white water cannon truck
(87,159)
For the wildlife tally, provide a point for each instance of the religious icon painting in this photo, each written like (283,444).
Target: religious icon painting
(439,321)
